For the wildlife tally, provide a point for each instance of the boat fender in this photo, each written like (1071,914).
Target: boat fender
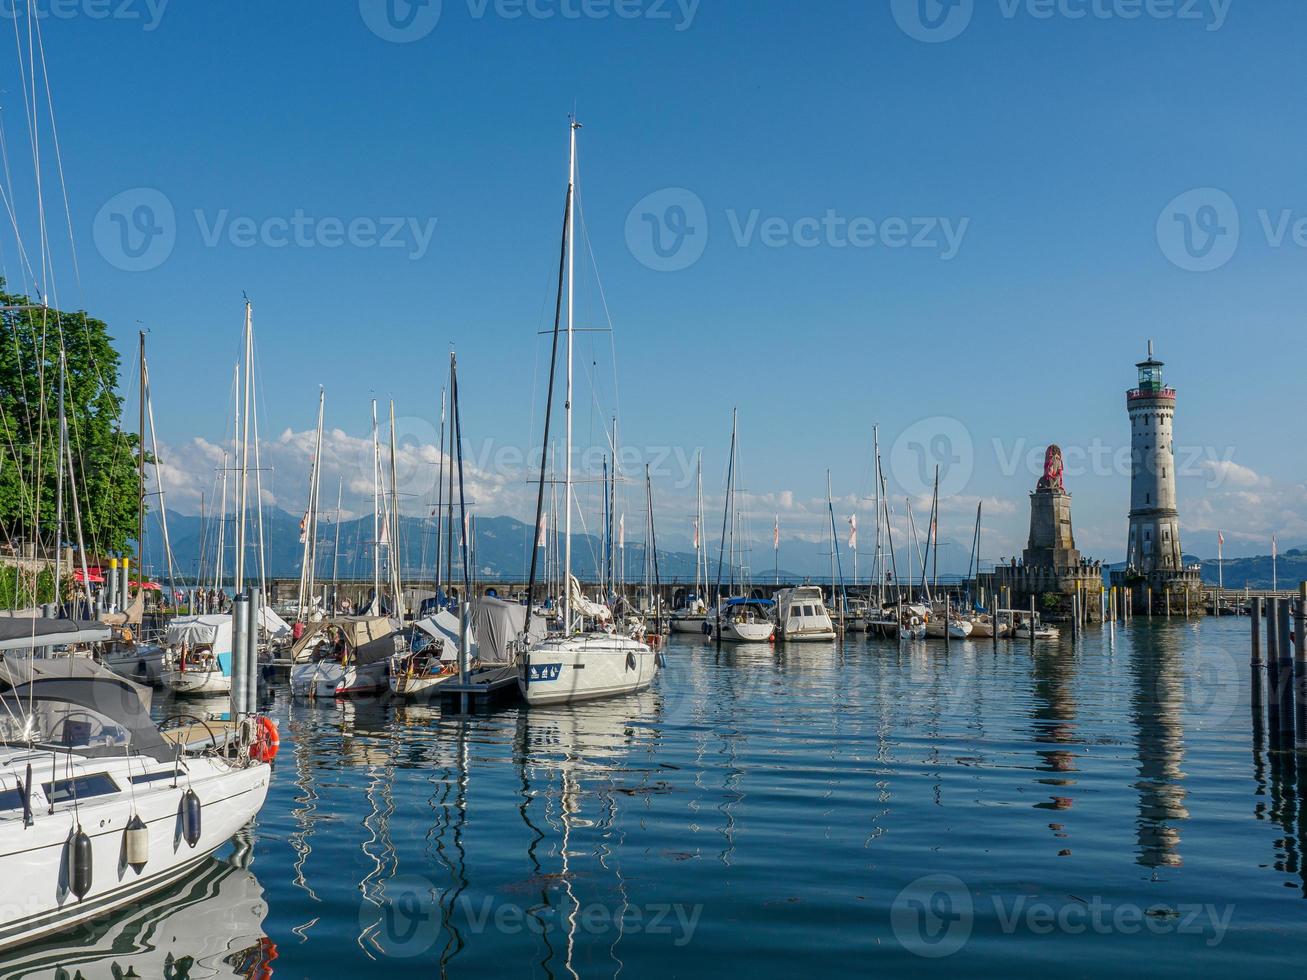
(136,842)
(79,863)
(267,740)
(190,817)
(630,660)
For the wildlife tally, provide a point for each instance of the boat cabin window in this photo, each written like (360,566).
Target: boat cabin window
(11,799)
(80,787)
(809,610)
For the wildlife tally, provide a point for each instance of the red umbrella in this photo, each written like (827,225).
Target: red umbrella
(96,576)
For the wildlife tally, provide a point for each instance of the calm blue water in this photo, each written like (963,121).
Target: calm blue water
(1094,810)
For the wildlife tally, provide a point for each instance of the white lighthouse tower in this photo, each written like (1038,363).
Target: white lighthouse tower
(1154,562)
(1154,542)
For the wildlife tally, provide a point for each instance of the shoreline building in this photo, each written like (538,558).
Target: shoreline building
(1154,560)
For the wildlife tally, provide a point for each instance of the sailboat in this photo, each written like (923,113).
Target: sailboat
(736,618)
(690,618)
(578,664)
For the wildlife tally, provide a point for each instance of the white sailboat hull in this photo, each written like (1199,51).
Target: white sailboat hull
(688,623)
(143,664)
(562,670)
(34,866)
(196,682)
(326,679)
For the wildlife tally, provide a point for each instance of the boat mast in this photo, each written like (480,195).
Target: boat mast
(59,487)
(376,524)
(934,536)
(877,562)
(567,404)
(335,553)
(310,512)
(140,466)
(243,483)
(395,552)
(700,562)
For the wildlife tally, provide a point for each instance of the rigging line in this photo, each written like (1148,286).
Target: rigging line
(603,299)
(59,162)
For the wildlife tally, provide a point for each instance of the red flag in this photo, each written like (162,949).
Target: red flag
(776,533)
(696,533)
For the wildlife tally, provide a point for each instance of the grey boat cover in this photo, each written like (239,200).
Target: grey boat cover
(18,633)
(497,625)
(59,689)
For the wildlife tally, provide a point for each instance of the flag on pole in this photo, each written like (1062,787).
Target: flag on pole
(304,528)
(1220,545)
(776,534)
(1273,554)
(621,531)
(542,533)
(384,540)
(696,534)
(853,532)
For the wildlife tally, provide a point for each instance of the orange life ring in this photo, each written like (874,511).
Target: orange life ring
(267,740)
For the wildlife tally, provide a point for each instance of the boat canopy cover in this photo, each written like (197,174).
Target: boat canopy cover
(764,603)
(22,633)
(583,606)
(272,624)
(193,631)
(75,702)
(498,623)
(359,632)
(444,626)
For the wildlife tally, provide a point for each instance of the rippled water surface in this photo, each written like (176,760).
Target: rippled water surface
(1090,810)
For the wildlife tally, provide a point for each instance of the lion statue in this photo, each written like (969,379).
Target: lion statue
(1052,478)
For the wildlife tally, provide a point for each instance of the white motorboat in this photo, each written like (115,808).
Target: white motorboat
(430,661)
(742,621)
(801,615)
(690,619)
(343,657)
(125,812)
(562,669)
(958,629)
(1042,632)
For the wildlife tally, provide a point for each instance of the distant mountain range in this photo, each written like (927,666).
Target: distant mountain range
(1255,573)
(502,551)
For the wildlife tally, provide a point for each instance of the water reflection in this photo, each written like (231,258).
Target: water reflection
(1157,706)
(210,926)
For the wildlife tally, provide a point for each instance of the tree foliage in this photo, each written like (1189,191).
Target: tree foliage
(104,457)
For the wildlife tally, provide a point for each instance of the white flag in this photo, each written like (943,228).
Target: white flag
(776,534)
(542,533)
(621,531)
(1273,555)
(696,534)
(385,531)
(1220,544)
(304,528)
(853,532)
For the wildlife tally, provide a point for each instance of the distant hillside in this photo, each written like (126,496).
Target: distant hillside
(1255,573)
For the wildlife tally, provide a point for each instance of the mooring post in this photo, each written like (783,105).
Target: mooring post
(900,621)
(948,609)
(1186,603)
(1273,671)
(1255,669)
(1286,676)
(1300,667)
(1075,614)
(240,619)
(255,614)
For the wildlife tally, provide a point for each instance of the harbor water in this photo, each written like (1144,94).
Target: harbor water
(1096,808)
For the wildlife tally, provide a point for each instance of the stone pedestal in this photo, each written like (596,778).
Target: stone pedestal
(1052,543)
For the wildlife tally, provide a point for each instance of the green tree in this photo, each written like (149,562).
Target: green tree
(104,457)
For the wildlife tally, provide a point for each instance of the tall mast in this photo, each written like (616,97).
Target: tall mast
(700,569)
(59,485)
(140,467)
(877,562)
(335,553)
(934,536)
(242,490)
(376,524)
(395,551)
(222,526)
(310,512)
(571,309)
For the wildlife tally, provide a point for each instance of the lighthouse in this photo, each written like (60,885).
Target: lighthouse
(1154,560)
(1154,537)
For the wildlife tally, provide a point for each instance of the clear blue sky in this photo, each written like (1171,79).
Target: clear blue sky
(1059,141)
